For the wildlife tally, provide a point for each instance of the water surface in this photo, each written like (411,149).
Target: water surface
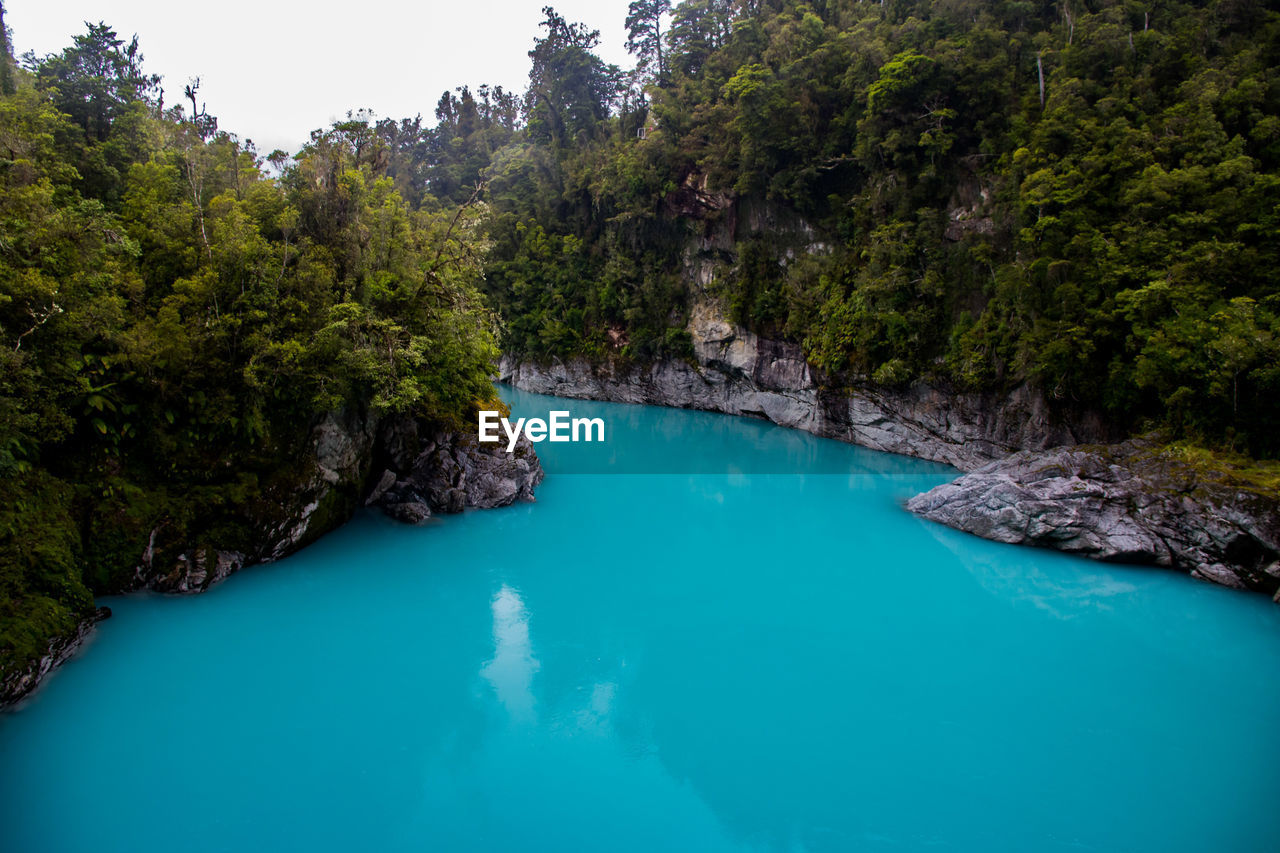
(750,660)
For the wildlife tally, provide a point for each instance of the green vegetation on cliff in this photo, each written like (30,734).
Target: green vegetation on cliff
(173,320)
(1078,195)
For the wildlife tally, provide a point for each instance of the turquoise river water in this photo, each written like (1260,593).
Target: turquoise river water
(751,647)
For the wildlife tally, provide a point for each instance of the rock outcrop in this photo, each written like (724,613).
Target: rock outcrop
(1131,502)
(195,570)
(739,373)
(402,466)
(19,684)
(450,472)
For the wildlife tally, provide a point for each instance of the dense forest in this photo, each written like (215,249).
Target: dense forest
(1078,195)
(173,320)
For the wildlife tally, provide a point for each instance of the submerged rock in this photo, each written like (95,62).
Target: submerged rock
(1132,502)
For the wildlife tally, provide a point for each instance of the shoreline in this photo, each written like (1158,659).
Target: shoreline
(1027,476)
(398,466)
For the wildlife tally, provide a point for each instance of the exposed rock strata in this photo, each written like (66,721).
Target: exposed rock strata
(1124,503)
(740,373)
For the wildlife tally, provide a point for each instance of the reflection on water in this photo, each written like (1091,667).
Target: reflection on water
(594,718)
(1001,570)
(511,669)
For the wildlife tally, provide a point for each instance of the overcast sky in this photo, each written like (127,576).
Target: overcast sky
(274,70)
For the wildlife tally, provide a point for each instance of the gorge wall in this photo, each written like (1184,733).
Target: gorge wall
(737,372)
(404,467)
(1036,477)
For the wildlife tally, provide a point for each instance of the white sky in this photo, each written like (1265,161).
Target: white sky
(274,70)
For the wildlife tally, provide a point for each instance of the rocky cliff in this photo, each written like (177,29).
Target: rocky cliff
(398,465)
(737,372)
(406,468)
(1133,502)
(21,683)
(1031,482)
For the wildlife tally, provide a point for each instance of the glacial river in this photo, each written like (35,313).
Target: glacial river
(738,641)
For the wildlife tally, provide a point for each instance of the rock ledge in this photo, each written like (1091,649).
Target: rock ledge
(1132,502)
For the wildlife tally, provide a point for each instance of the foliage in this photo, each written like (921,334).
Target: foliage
(645,35)
(173,321)
(570,88)
(1076,196)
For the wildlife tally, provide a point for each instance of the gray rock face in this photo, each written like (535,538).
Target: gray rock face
(450,472)
(739,373)
(197,571)
(19,684)
(396,464)
(1124,503)
(343,444)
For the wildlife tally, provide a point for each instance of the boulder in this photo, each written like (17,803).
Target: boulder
(1133,502)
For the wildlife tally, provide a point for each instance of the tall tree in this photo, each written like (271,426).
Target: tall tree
(698,28)
(570,88)
(96,79)
(6,58)
(644,34)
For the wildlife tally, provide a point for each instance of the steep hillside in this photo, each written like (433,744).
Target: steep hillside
(1077,196)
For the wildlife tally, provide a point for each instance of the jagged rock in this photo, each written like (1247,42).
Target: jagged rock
(385,482)
(341,442)
(407,512)
(199,570)
(453,472)
(404,503)
(1129,502)
(22,682)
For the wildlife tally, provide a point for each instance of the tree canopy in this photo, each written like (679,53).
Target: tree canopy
(1077,196)
(173,320)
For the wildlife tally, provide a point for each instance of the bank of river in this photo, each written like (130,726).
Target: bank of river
(703,650)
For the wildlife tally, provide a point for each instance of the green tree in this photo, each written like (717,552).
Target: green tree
(570,88)
(645,36)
